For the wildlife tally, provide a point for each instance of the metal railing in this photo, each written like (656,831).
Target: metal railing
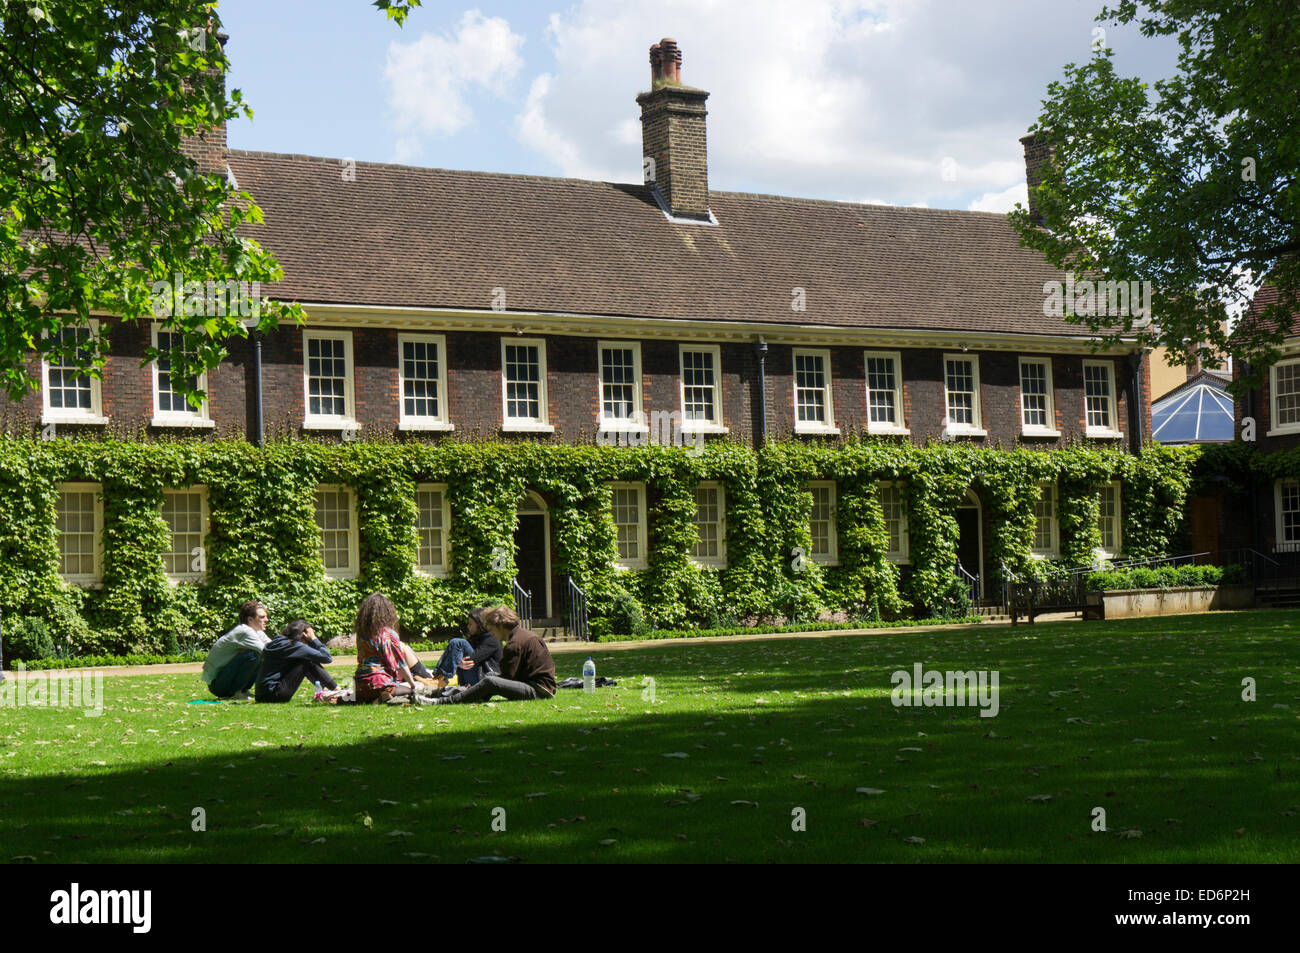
(575,611)
(523,603)
(972,583)
(1009,579)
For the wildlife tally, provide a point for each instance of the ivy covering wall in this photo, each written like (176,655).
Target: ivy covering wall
(263,541)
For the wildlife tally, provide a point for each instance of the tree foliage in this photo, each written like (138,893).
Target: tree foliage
(101,206)
(1192,183)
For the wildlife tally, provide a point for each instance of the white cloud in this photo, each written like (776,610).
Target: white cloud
(824,98)
(430,78)
(1002,201)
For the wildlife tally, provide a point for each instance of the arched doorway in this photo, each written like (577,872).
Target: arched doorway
(533,551)
(970,538)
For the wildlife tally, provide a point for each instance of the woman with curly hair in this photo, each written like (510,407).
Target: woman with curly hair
(382,670)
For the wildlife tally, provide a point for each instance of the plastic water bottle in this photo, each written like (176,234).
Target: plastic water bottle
(589,675)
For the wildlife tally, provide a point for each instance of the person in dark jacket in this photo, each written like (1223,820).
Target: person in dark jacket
(527,671)
(472,657)
(293,655)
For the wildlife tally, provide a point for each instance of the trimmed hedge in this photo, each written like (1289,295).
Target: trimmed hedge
(263,541)
(1166,577)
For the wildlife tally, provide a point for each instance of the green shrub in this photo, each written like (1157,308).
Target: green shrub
(1233,576)
(625,616)
(1109,580)
(27,638)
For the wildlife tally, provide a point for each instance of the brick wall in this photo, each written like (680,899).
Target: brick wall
(473,368)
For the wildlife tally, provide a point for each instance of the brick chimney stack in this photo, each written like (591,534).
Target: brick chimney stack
(673,135)
(208,148)
(1037,152)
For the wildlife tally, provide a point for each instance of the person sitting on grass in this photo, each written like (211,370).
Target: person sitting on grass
(293,655)
(472,657)
(231,666)
(527,670)
(382,669)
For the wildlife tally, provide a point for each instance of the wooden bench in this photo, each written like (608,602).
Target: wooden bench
(1030,599)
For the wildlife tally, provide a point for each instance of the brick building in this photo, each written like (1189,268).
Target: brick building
(448,302)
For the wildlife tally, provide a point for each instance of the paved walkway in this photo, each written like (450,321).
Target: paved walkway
(557,648)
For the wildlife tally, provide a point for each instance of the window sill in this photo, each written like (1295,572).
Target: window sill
(83,582)
(1042,432)
(899,560)
(617,427)
(704,428)
(1043,555)
(175,581)
(631,567)
(527,427)
(963,432)
(827,563)
(883,430)
(87,420)
(1103,433)
(161,420)
(425,425)
(432,573)
(329,423)
(1283,431)
(816,430)
(342,575)
(708,563)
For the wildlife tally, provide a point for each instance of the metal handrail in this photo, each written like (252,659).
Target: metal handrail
(972,583)
(523,603)
(575,616)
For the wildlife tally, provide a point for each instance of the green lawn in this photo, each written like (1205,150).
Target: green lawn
(1143,718)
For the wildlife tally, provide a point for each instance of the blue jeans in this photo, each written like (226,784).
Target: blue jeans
(449,664)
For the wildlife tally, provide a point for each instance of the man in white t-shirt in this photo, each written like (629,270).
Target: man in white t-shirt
(231,668)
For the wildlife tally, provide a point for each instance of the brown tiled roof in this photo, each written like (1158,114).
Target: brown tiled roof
(431,238)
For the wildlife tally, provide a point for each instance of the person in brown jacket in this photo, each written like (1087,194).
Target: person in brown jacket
(527,671)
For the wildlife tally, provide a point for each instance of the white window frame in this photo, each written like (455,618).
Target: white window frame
(1280,543)
(407,421)
(828,389)
(832,557)
(175,418)
(700,426)
(1036,430)
(899,426)
(444,570)
(636,422)
(642,561)
(354,531)
(903,556)
(719,561)
(96,576)
(1119,523)
(1102,433)
(975,428)
(347,420)
(202,491)
(526,424)
(1054,525)
(1275,428)
(62,415)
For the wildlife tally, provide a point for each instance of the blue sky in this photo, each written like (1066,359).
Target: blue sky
(853,100)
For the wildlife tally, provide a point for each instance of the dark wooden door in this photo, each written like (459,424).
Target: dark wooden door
(530,560)
(1205,516)
(968,540)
